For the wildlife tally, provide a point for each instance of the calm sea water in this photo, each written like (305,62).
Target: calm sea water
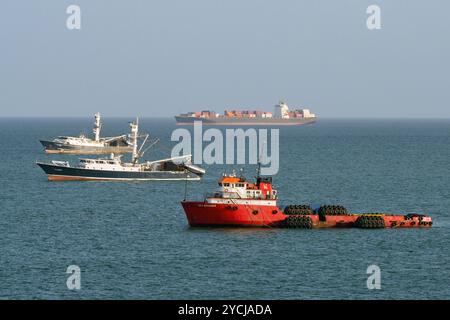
(131,240)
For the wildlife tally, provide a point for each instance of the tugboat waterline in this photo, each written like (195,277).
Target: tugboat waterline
(114,169)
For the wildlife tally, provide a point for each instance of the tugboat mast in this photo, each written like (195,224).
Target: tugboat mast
(258,171)
(97,127)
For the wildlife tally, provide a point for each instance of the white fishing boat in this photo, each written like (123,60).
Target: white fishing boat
(86,145)
(113,168)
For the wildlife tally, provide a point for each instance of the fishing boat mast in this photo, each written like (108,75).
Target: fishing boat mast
(97,127)
(134,140)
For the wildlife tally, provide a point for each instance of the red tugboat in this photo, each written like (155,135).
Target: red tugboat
(238,202)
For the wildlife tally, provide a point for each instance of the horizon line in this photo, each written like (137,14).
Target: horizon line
(172,117)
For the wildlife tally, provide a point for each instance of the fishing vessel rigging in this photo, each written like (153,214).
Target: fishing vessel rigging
(113,168)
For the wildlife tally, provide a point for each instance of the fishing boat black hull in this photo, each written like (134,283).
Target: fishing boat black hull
(52,147)
(66,173)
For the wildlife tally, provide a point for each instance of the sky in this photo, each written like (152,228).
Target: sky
(160,58)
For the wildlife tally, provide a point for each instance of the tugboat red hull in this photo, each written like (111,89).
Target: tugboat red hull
(217,214)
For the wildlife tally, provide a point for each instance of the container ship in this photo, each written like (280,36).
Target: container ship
(85,145)
(240,203)
(114,169)
(281,116)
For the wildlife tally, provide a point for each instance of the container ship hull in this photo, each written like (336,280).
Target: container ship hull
(61,173)
(52,147)
(181,120)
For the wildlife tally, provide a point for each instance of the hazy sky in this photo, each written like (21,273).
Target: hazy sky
(160,58)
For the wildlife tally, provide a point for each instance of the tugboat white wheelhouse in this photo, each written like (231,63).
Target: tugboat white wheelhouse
(113,168)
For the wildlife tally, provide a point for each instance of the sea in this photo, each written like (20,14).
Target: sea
(131,240)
